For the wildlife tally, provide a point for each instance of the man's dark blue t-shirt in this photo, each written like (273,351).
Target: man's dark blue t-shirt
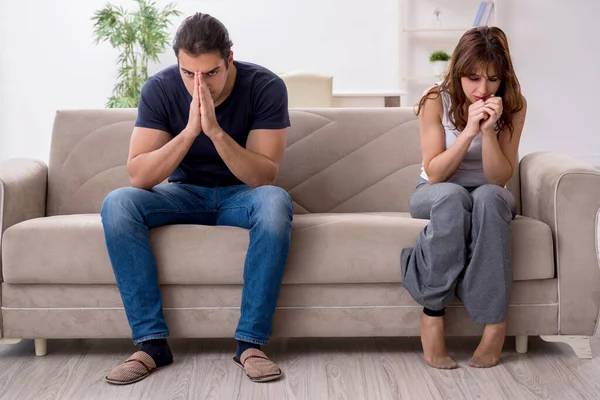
(258,100)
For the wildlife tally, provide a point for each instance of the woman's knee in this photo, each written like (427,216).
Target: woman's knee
(453,195)
(439,196)
(490,194)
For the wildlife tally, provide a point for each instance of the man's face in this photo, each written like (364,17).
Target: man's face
(212,66)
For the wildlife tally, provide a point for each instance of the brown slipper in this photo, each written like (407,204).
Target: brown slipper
(134,369)
(257,366)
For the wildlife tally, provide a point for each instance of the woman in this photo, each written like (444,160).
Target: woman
(470,128)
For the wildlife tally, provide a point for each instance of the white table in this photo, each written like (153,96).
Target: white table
(367,98)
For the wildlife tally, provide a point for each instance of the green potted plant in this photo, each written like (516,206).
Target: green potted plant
(439,61)
(139,37)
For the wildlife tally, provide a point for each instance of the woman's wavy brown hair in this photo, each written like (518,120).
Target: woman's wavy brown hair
(479,47)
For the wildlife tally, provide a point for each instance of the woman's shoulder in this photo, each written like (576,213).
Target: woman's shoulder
(524,101)
(432,90)
(433,94)
(519,116)
(431,104)
(519,106)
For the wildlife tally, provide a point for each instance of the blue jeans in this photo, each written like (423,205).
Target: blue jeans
(128,214)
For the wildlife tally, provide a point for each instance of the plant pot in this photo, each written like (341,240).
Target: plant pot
(439,67)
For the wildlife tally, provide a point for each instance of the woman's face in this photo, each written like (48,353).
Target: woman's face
(480,85)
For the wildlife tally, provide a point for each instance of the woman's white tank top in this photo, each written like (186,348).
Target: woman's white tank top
(470,170)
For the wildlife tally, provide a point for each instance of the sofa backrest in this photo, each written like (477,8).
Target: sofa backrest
(337,159)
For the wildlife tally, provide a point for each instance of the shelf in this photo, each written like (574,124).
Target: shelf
(457,29)
(369,93)
(419,35)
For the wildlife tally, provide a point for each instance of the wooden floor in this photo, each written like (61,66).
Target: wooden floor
(314,369)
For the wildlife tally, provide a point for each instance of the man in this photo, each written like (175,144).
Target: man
(217,129)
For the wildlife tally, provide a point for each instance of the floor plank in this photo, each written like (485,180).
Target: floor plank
(369,368)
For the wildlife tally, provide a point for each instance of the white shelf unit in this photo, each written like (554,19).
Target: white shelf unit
(461,29)
(421,35)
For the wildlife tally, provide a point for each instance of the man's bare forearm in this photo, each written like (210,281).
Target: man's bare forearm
(251,168)
(149,169)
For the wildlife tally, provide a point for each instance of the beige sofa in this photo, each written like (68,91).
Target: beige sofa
(350,173)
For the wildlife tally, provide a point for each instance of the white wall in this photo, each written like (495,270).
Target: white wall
(556,52)
(48,60)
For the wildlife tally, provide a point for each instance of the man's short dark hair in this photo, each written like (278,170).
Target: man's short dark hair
(201,34)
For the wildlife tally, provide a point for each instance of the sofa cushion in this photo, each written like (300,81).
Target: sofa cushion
(326,248)
(336,159)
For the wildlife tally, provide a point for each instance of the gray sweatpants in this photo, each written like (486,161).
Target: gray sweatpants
(463,251)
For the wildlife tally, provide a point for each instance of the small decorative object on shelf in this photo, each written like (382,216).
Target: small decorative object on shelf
(434,25)
(439,61)
(482,18)
(438,17)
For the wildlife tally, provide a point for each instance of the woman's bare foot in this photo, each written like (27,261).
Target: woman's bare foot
(488,352)
(434,345)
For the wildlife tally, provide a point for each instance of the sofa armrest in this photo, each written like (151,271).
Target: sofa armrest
(564,193)
(23,185)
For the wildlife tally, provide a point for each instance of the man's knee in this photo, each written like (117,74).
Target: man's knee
(273,207)
(119,201)
(274,198)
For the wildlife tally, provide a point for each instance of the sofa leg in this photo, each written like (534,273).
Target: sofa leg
(579,344)
(521,344)
(41,347)
(10,341)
